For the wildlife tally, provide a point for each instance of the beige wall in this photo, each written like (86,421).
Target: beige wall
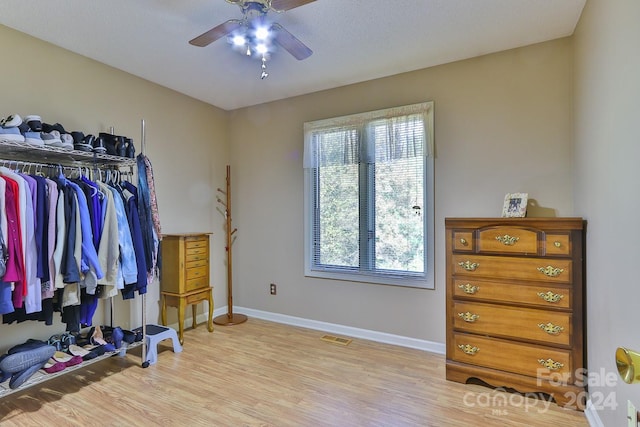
(607,107)
(186,143)
(502,124)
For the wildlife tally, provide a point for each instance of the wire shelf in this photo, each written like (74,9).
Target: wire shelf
(35,154)
(41,376)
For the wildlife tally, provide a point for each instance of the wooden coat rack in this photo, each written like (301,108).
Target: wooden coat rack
(230,318)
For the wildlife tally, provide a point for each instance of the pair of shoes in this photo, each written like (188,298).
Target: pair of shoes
(113,335)
(56,136)
(62,341)
(117,145)
(51,139)
(59,361)
(21,360)
(87,354)
(34,122)
(25,361)
(81,142)
(9,128)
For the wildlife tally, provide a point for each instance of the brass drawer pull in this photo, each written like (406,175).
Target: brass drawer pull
(468,265)
(557,244)
(468,349)
(551,364)
(550,296)
(463,241)
(550,328)
(551,271)
(468,288)
(507,240)
(469,317)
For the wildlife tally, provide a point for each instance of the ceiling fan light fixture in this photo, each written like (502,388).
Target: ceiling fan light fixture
(238,40)
(262,33)
(261,48)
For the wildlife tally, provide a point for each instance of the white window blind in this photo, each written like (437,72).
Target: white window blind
(368,197)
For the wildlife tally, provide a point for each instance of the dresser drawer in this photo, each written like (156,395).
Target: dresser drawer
(196,254)
(513,322)
(508,240)
(193,284)
(204,262)
(194,273)
(540,269)
(196,243)
(462,241)
(558,244)
(201,250)
(519,358)
(543,295)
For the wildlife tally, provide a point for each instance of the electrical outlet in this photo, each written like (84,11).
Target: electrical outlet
(631,415)
(272,289)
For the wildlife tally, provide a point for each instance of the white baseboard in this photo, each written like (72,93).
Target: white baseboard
(383,337)
(592,416)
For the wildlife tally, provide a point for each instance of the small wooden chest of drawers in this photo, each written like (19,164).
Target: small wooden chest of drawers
(515,304)
(184,277)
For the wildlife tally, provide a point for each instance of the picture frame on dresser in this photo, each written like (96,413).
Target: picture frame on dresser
(515,205)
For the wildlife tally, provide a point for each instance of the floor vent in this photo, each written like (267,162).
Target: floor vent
(336,340)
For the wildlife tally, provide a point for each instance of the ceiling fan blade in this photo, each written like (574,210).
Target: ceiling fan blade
(215,33)
(282,5)
(291,44)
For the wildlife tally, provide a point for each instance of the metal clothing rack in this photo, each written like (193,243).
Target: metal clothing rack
(19,155)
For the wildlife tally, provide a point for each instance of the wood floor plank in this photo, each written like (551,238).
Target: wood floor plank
(264,374)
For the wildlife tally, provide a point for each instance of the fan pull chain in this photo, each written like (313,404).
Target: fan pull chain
(264,68)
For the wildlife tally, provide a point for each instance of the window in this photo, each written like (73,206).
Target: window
(369,197)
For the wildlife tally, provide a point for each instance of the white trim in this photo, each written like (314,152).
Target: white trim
(382,337)
(592,416)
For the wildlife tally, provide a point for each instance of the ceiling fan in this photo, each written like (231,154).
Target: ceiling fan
(254,33)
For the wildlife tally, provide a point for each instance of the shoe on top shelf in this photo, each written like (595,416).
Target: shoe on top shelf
(34,122)
(131,149)
(33,138)
(46,127)
(98,145)
(12,121)
(11,134)
(51,139)
(67,141)
(81,142)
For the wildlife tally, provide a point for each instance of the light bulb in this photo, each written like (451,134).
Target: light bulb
(261,48)
(239,40)
(262,33)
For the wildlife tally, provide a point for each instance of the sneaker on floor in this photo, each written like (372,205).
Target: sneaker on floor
(13,120)
(34,122)
(11,134)
(67,141)
(33,138)
(51,139)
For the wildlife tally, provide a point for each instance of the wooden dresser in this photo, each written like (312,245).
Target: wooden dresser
(184,278)
(515,304)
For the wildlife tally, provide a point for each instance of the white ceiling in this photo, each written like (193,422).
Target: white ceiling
(352,40)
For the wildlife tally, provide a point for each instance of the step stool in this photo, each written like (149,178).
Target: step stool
(155,334)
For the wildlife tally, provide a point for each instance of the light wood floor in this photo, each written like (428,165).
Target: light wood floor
(266,374)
